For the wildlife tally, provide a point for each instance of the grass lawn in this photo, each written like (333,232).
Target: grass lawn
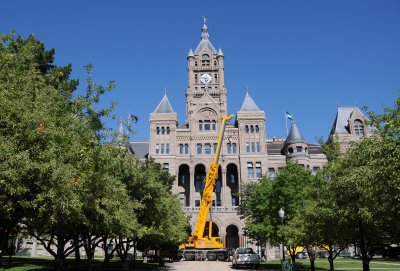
(340,264)
(37,263)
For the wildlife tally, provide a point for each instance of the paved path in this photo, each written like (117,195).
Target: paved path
(201,266)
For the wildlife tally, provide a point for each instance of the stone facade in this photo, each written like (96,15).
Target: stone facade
(187,149)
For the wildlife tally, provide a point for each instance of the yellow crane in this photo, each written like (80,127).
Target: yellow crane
(209,247)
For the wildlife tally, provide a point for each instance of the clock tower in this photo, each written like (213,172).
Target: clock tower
(206,93)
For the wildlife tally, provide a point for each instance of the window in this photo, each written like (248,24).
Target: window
(215,75)
(200,125)
(180,148)
(247,147)
(157,148)
(246,129)
(213,125)
(207,148)
(271,173)
(168,130)
(166,167)
(162,148)
(257,129)
(258,170)
(232,178)
(195,63)
(228,148)
(258,147)
(196,79)
(215,147)
(162,130)
(253,147)
(315,170)
(197,203)
(207,125)
(250,170)
(158,130)
(234,147)
(251,129)
(199,147)
(290,150)
(167,148)
(186,148)
(358,127)
(299,149)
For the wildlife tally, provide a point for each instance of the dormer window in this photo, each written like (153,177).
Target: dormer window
(358,127)
(299,148)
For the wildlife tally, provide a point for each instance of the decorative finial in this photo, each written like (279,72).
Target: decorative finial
(337,103)
(356,103)
(247,90)
(165,91)
(204,19)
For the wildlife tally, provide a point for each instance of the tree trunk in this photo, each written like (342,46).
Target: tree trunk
(365,264)
(312,264)
(77,252)
(330,259)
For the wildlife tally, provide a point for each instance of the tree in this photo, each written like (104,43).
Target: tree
(261,206)
(365,184)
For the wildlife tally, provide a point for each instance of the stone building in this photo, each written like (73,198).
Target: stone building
(187,149)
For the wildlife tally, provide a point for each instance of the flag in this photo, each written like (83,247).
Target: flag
(289,116)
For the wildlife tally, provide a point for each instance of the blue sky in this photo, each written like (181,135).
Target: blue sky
(302,56)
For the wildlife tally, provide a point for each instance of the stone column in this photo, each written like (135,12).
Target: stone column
(191,188)
(223,188)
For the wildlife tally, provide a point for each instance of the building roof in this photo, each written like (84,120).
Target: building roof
(164,106)
(140,149)
(205,41)
(249,104)
(341,123)
(295,136)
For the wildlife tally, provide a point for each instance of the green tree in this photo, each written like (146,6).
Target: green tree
(260,207)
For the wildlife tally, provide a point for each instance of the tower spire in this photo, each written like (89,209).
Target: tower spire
(204,30)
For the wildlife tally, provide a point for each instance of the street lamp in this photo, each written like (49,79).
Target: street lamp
(281,213)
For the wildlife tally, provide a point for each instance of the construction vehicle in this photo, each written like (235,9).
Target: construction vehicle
(199,247)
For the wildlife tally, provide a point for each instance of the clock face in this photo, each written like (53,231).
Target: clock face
(205,78)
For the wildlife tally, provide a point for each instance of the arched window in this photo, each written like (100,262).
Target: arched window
(168,130)
(205,60)
(158,130)
(358,127)
(251,129)
(246,129)
(180,148)
(162,130)
(257,129)
(200,125)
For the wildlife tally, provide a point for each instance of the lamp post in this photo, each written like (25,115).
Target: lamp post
(281,213)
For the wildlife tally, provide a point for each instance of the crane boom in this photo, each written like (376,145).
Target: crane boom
(209,247)
(212,175)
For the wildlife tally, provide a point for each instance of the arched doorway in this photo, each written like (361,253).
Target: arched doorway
(199,175)
(232,181)
(215,229)
(232,236)
(184,182)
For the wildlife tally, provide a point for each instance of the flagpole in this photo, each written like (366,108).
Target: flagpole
(287,132)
